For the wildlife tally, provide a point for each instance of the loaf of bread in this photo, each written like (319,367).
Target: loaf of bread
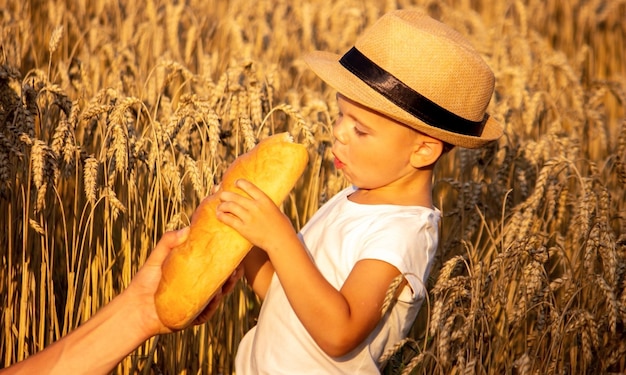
(193,272)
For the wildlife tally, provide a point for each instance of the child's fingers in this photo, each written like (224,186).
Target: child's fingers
(231,214)
(251,189)
(209,310)
(228,196)
(233,208)
(232,280)
(219,295)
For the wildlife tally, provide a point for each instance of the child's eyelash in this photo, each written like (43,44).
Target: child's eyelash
(358,131)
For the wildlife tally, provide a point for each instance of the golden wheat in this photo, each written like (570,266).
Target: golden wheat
(141,109)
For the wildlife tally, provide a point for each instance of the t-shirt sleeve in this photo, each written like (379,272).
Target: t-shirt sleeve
(407,243)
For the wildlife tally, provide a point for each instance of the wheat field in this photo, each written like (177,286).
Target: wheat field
(118,117)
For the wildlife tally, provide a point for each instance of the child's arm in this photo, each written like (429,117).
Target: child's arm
(338,320)
(257,268)
(258,271)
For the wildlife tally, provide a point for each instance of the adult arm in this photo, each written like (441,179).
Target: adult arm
(118,328)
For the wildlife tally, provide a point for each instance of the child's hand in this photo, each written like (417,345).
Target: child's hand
(257,219)
(216,300)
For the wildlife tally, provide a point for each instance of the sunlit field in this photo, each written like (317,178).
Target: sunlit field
(118,117)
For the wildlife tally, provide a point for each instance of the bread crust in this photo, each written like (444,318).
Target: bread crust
(193,272)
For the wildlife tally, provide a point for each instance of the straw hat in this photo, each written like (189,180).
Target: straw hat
(420,72)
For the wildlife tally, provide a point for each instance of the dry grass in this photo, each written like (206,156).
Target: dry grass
(117,118)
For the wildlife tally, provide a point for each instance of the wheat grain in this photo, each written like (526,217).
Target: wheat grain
(192,171)
(41,197)
(5,171)
(37,227)
(174,222)
(59,96)
(607,252)
(94,110)
(582,218)
(174,68)
(523,364)
(391,294)
(616,355)
(90,176)
(114,204)
(436,316)
(533,274)
(449,268)
(174,12)
(248,133)
(172,179)
(120,138)
(444,344)
(384,358)
(300,123)
(523,221)
(586,339)
(191,42)
(620,157)
(69,150)
(256,103)
(174,124)
(233,109)
(59,136)
(471,197)
(413,363)
(612,306)
(55,39)
(217,94)
(583,323)
(562,206)
(214,133)
(38,160)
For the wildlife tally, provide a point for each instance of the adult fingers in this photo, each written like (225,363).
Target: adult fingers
(168,241)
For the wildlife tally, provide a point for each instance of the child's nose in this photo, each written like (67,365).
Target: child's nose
(339,131)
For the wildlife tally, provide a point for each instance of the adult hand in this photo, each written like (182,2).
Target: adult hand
(119,327)
(145,282)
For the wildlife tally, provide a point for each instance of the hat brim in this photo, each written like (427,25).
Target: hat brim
(326,65)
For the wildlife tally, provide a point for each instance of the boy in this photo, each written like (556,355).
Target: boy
(407,90)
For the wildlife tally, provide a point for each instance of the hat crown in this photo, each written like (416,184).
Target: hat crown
(433,59)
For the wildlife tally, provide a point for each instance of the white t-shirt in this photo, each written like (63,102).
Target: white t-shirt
(337,236)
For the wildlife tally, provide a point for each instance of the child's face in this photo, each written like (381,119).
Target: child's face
(371,149)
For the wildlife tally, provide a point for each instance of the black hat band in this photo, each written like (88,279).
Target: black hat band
(406,98)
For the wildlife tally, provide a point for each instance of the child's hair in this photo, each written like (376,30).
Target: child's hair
(447,147)
(420,72)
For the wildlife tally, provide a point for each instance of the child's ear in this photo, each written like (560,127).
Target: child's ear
(426,152)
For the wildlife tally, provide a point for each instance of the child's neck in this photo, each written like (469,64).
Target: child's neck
(412,195)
